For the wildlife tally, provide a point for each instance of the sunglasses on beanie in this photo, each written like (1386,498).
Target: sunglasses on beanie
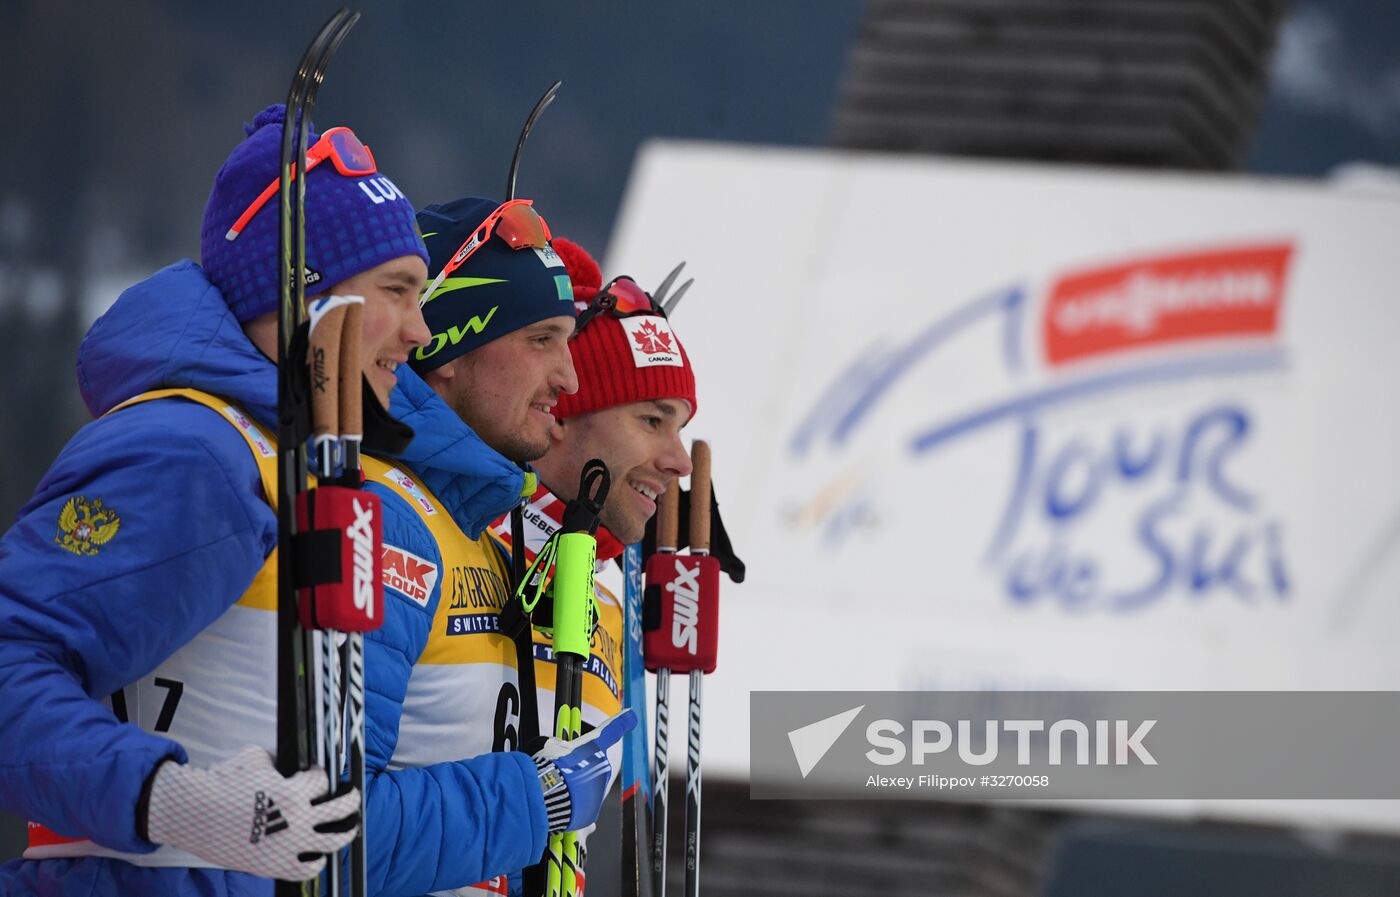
(620,297)
(514,221)
(350,157)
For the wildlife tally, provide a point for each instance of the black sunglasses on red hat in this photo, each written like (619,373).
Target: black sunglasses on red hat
(620,297)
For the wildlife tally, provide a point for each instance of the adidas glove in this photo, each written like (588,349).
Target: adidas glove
(243,814)
(574,774)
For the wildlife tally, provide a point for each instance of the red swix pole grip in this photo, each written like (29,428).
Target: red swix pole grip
(688,589)
(685,587)
(341,587)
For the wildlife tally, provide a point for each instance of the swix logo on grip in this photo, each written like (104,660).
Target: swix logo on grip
(361,535)
(409,574)
(320,377)
(686,588)
(1166,299)
(683,594)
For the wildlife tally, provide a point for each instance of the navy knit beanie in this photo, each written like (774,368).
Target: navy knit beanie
(352,223)
(494,292)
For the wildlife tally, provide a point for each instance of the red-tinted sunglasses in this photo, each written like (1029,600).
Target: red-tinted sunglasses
(350,157)
(620,297)
(514,221)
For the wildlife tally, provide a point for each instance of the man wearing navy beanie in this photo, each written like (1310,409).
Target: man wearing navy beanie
(501,311)
(500,323)
(137,650)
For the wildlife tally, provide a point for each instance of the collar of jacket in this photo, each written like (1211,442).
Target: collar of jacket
(544,513)
(475,482)
(174,330)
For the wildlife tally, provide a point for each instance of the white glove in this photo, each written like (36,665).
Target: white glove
(243,814)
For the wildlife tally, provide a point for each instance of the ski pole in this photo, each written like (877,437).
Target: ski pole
(351,435)
(636,874)
(699,545)
(667,535)
(575,615)
(325,357)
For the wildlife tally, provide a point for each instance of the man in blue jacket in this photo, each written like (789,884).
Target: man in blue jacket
(136,632)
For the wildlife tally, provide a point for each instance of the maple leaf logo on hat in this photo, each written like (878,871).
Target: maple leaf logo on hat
(651,340)
(658,369)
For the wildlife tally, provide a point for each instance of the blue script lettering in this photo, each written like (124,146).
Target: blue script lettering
(1240,556)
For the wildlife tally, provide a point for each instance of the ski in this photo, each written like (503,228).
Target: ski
(297,725)
(636,789)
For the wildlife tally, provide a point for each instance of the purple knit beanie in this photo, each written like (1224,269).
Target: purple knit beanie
(352,223)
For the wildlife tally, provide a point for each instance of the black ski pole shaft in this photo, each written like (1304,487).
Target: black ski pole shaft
(667,537)
(699,544)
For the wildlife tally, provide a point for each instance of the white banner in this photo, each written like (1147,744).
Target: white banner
(988,426)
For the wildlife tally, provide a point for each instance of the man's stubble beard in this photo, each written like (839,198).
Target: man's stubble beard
(519,450)
(515,447)
(609,517)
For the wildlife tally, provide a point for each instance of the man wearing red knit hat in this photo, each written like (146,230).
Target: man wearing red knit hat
(636,391)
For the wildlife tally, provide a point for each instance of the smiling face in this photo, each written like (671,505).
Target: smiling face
(391,326)
(640,442)
(392,322)
(506,389)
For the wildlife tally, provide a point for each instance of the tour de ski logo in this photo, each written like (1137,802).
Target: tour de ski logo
(84,526)
(652,342)
(1078,393)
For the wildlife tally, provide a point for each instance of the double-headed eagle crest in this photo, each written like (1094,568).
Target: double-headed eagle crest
(85,526)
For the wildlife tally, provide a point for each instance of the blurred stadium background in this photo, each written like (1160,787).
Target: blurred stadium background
(121,113)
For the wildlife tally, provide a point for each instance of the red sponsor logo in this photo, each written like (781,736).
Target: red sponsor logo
(41,835)
(498,885)
(1166,299)
(651,340)
(408,573)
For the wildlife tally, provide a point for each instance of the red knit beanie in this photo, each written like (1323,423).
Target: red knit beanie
(620,360)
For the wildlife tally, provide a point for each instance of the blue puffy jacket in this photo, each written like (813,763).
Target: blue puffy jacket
(194,529)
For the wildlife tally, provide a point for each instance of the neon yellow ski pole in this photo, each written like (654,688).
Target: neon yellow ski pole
(575,615)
